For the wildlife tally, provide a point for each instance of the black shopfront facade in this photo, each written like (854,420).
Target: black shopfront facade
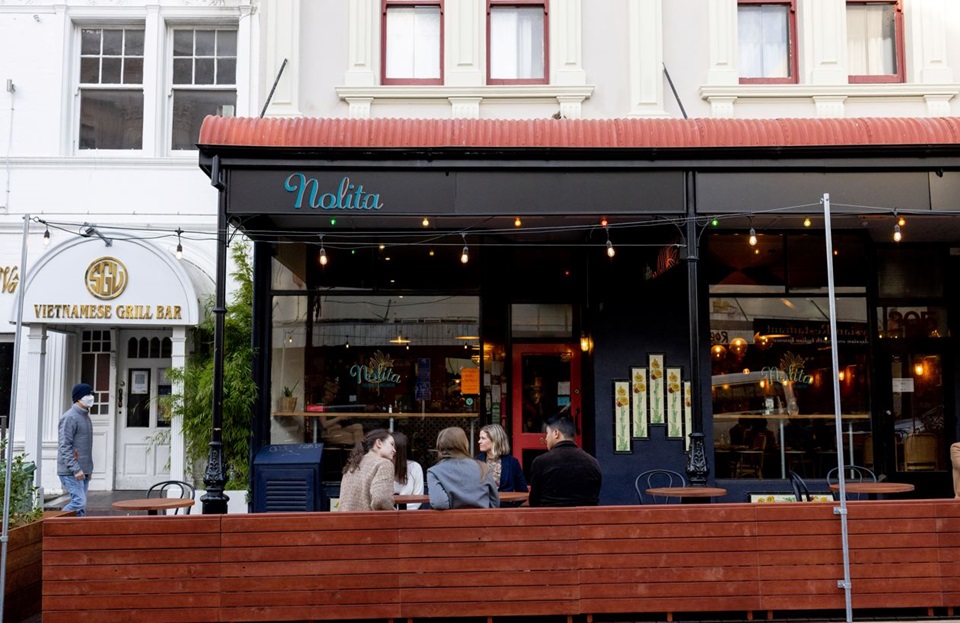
(418,288)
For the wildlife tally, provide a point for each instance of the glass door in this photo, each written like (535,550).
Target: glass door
(546,381)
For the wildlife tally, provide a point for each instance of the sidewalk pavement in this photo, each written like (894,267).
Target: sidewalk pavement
(99,502)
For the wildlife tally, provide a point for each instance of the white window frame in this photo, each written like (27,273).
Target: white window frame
(170,88)
(145,87)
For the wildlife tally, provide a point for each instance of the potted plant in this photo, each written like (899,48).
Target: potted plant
(288,402)
(25,540)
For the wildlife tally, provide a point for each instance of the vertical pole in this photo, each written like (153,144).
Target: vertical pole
(8,473)
(214,502)
(838,418)
(697,468)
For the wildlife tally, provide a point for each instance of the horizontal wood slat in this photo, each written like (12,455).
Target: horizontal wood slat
(666,559)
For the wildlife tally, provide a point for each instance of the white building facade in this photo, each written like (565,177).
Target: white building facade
(103,103)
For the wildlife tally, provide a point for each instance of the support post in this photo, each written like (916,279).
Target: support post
(697,467)
(214,502)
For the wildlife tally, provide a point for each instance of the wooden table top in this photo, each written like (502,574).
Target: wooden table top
(875,487)
(372,415)
(152,504)
(688,492)
(505,496)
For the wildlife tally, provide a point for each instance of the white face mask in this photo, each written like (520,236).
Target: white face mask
(87,401)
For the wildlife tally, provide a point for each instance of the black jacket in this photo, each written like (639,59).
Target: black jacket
(565,476)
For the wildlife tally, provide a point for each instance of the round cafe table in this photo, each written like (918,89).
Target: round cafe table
(874,487)
(688,494)
(152,505)
(506,496)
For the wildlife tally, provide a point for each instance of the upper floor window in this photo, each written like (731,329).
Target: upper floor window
(517,42)
(875,50)
(111,88)
(767,30)
(204,80)
(412,42)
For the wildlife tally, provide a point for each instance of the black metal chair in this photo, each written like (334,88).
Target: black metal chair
(186,492)
(654,478)
(800,491)
(851,473)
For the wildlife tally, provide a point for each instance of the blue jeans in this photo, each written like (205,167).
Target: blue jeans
(78,493)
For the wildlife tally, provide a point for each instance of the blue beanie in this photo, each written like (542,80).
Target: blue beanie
(80,390)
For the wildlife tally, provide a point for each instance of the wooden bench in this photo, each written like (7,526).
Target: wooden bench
(740,559)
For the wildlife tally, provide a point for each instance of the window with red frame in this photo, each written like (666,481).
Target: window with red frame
(767,32)
(412,42)
(517,41)
(875,41)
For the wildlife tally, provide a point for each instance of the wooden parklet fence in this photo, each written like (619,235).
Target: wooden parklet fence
(746,559)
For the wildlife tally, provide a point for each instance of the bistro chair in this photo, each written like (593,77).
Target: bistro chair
(658,478)
(174,487)
(800,491)
(750,462)
(851,473)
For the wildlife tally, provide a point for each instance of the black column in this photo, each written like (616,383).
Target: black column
(697,468)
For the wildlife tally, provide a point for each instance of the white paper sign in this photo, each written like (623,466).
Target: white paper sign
(902,386)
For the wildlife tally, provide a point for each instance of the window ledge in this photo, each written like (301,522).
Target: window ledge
(569,97)
(799,91)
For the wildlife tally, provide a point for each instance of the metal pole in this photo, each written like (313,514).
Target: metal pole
(8,472)
(697,468)
(838,418)
(214,502)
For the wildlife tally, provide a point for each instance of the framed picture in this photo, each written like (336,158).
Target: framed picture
(674,403)
(687,412)
(621,416)
(656,389)
(638,383)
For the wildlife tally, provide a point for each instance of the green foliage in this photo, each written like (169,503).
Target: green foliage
(195,405)
(23,494)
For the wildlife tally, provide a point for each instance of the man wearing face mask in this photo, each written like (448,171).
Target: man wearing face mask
(75,449)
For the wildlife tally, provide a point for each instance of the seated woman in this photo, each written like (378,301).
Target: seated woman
(495,452)
(367,483)
(459,481)
(407,474)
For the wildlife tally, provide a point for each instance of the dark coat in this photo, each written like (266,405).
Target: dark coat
(511,474)
(565,476)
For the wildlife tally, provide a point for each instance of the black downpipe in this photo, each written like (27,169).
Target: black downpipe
(697,468)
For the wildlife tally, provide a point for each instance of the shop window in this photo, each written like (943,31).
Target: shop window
(910,272)
(204,80)
(516,42)
(767,34)
(541,320)
(111,88)
(875,48)
(412,42)
(773,385)
(917,408)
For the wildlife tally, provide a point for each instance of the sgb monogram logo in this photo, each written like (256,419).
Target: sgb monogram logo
(106,278)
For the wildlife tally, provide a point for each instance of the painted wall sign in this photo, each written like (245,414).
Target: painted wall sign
(9,278)
(378,372)
(347,196)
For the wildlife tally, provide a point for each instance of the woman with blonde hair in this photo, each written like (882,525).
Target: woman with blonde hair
(459,481)
(495,453)
(367,483)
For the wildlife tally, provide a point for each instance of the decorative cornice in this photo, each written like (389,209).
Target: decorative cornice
(444,93)
(808,91)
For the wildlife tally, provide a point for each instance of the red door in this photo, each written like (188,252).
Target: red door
(546,380)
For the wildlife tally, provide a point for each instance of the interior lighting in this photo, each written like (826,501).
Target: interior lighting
(901,221)
(603,222)
(585,342)
(918,369)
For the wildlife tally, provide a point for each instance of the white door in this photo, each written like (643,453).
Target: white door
(143,423)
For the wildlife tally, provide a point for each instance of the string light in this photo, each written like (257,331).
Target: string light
(179,244)
(323,252)
(806,221)
(901,221)
(610,250)
(753,237)
(347,344)
(517,222)
(897,236)
(425,222)
(465,254)
(46,236)
(603,222)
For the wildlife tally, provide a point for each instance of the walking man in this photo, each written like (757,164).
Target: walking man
(75,449)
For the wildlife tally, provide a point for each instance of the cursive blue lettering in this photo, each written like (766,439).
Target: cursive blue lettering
(347,196)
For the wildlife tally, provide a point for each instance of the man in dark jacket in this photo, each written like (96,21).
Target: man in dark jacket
(566,475)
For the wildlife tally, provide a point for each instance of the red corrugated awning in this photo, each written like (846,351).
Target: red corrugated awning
(577,133)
